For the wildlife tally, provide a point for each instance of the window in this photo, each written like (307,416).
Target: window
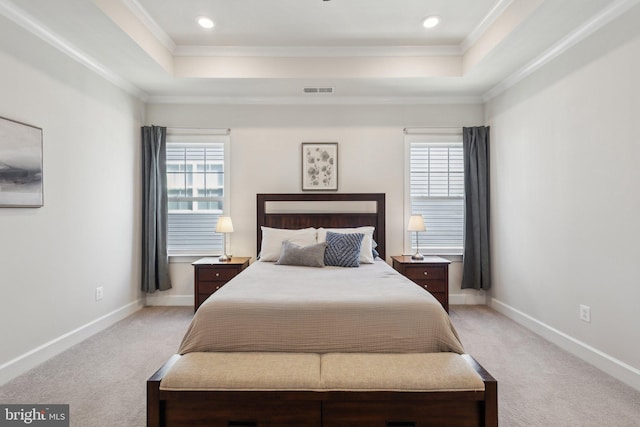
(436,190)
(196,192)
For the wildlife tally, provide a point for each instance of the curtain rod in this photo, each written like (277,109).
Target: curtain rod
(434,131)
(198,131)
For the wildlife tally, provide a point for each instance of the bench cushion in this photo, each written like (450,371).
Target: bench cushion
(398,372)
(253,371)
(244,372)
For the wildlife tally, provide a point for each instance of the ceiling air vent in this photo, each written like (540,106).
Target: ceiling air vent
(317,90)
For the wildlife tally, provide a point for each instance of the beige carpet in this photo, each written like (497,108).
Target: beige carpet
(103,378)
(540,384)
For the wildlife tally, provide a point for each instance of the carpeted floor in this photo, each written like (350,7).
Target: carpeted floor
(540,384)
(103,378)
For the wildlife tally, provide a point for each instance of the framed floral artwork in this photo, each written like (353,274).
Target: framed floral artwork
(320,166)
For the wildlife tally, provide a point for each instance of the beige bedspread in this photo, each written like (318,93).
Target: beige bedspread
(278,308)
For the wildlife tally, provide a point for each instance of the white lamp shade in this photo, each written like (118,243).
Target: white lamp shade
(224,225)
(416,223)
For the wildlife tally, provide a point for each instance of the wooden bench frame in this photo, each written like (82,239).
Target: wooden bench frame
(321,408)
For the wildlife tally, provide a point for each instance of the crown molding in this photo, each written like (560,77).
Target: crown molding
(316,51)
(475,34)
(606,15)
(141,13)
(35,27)
(313,100)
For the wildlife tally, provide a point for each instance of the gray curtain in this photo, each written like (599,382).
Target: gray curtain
(155,261)
(476,263)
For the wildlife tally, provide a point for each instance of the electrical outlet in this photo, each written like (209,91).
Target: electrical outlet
(585,313)
(99,293)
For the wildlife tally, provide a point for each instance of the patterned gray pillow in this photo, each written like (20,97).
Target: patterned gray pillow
(308,256)
(343,250)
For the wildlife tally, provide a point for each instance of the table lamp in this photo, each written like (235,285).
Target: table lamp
(416,223)
(224,226)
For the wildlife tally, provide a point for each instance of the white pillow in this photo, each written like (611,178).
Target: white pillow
(272,239)
(366,251)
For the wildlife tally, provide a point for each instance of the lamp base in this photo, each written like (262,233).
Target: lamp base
(417,256)
(224,258)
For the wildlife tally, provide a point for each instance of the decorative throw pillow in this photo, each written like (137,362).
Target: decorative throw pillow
(308,256)
(366,253)
(343,250)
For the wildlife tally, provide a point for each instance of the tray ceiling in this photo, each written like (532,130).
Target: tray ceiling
(368,51)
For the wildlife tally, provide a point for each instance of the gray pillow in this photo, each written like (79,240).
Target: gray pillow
(308,256)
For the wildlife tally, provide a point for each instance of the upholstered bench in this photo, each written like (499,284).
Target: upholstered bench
(335,389)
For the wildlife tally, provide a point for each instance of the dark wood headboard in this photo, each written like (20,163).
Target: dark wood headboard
(296,220)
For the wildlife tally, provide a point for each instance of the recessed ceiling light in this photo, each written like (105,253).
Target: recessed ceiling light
(205,22)
(431,21)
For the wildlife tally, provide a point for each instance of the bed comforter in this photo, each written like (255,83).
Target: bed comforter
(279,308)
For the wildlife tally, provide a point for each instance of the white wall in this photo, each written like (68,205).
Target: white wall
(565,171)
(265,158)
(87,234)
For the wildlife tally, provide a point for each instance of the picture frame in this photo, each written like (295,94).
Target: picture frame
(319,166)
(20,164)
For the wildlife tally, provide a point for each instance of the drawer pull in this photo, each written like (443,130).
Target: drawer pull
(426,273)
(218,287)
(425,286)
(217,274)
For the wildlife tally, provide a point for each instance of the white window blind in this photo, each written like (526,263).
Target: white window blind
(196,189)
(436,185)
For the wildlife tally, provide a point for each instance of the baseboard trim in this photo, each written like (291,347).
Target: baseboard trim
(33,358)
(601,360)
(169,300)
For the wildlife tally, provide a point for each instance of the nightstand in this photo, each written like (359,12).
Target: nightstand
(211,274)
(431,273)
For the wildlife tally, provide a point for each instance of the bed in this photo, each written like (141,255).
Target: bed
(287,344)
